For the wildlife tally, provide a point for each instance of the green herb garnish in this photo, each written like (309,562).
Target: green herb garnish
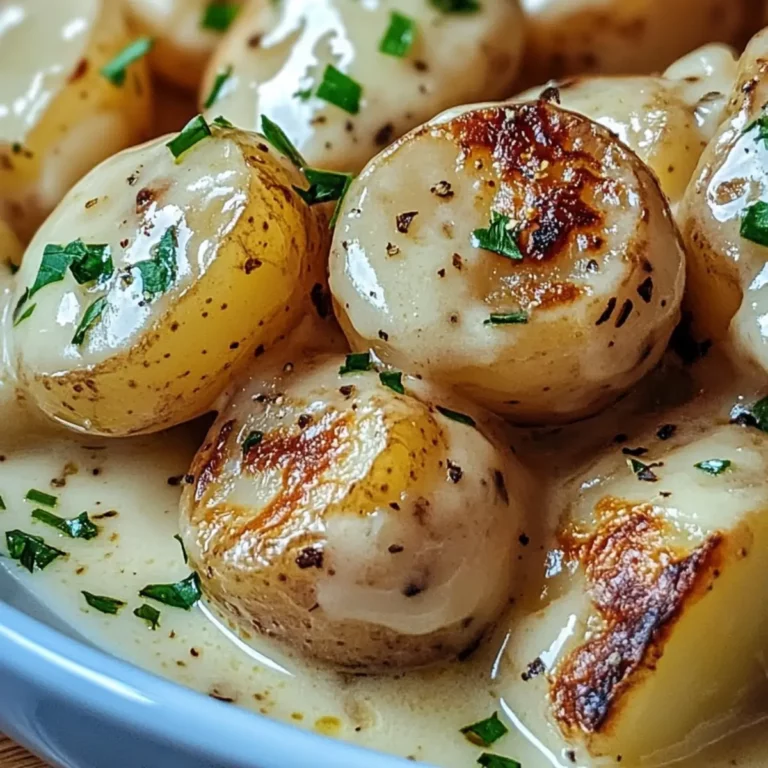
(253,439)
(714,466)
(2,504)
(102,603)
(92,313)
(340,90)
(149,614)
(761,124)
(326,186)
(79,527)
(53,267)
(506,318)
(462,418)
(497,761)
(485,732)
(755,415)
(193,132)
(86,262)
(159,272)
(498,238)
(219,15)
(41,497)
(277,137)
(393,380)
(27,313)
(754,223)
(399,37)
(115,69)
(31,550)
(356,363)
(183,594)
(183,548)
(218,84)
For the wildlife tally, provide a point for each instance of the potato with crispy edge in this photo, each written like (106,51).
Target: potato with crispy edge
(156,279)
(650,642)
(274,63)
(368,522)
(623,37)
(667,120)
(185,35)
(59,115)
(518,252)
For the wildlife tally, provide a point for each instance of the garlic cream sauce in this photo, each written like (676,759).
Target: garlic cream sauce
(131,487)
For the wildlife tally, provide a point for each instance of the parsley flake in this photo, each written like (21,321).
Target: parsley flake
(714,466)
(498,237)
(92,313)
(399,37)
(79,527)
(219,15)
(506,318)
(193,132)
(31,550)
(183,594)
(393,380)
(149,614)
(462,418)
(115,69)
(102,603)
(340,90)
(218,84)
(754,223)
(485,732)
(356,363)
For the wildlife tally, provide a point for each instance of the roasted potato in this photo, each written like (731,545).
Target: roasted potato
(652,637)
(185,34)
(59,115)
(156,279)
(274,63)
(518,252)
(625,37)
(667,120)
(369,522)
(720,221)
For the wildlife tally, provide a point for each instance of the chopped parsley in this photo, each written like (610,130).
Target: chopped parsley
(714,466)
(761,125)
(485,732)
(253,439)
(456,6)
(219,15)
(499,237)
(103,603)
(92,313)
(183,548)
(325,186)
(343,194)
(218,84)
(356,363)
(193,132)
(27,313)
(115,69)
(506,318)
(159,272)
(393,380)
(87,263)
(755,415)
(497,761)
(53,267)
(462,418)
(399,37)
(277,137)
(41,497)
(183,594)
(79,527)
(340,90)
(643,471)
(149,614)
(754,223)
(31,550)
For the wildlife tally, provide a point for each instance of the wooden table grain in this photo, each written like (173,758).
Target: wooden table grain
(13,756)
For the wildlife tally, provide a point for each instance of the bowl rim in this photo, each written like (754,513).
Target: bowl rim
(143,702)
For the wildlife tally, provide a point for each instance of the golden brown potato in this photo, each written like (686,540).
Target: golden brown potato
(368,522)
(59,116)
(156,279)
(518,252)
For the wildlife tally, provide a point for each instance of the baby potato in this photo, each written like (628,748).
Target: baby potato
(625,37)
(275,62)
(185,34)
(366,520)
(652,641)
(721,218)
(59,115)
(667,120)
(156,279)
(518,252)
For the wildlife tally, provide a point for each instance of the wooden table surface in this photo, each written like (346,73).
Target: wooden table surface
(13,756)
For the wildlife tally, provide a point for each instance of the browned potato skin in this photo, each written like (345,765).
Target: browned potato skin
(625,37)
